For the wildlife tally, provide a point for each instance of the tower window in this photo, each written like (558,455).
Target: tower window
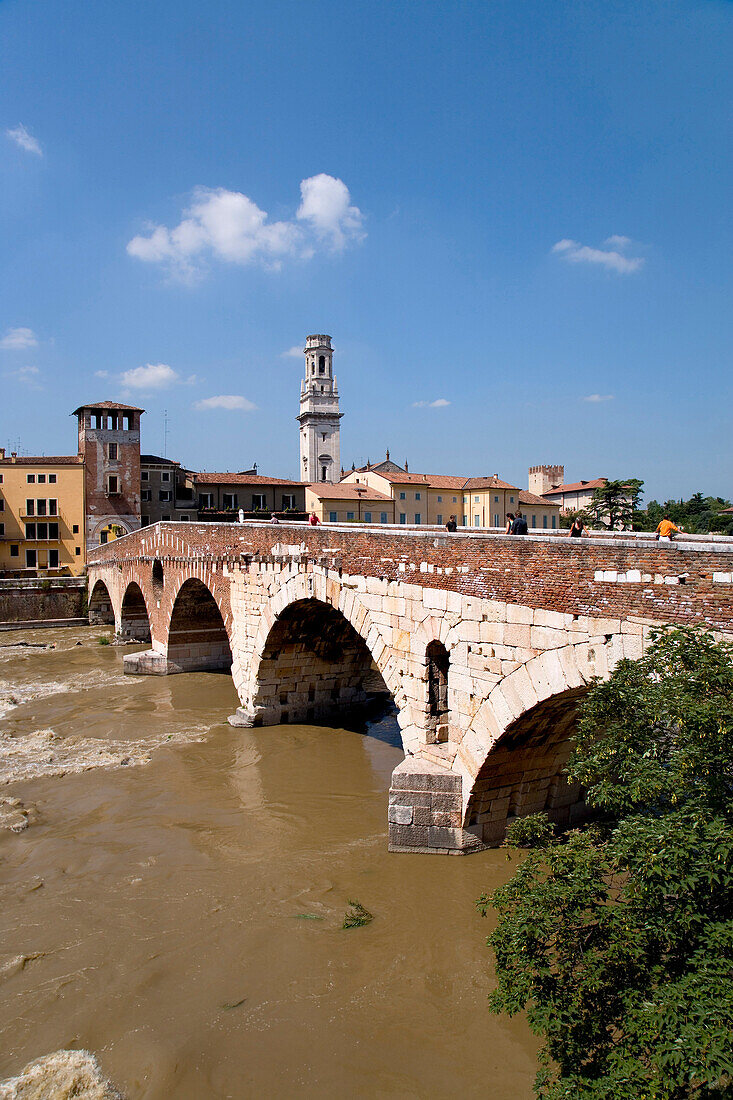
(321,364)
(113,486)
(112,448)
(323,436)
(323,473)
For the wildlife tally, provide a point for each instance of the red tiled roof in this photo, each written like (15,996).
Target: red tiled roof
(346,491)
(156,460)
(43,460)
(204,478)
(576,487)
(108,405)
(445,481)
(398,478)
(530,498)
(493,482)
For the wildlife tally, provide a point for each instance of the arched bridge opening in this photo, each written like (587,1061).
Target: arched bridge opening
(315,668)
(524,772)
(100,608)
(197,636)
(134,621)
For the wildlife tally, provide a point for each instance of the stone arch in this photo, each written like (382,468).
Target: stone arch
(314,667)
(100,607)
(197,635)
(522,774)
(134,618)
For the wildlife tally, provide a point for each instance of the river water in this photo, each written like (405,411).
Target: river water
(176,906)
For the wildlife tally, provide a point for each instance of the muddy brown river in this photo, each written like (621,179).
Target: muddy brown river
(175,907)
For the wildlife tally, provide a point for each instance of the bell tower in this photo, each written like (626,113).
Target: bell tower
(320,446)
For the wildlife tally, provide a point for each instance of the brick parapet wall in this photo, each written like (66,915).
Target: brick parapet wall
(683,582)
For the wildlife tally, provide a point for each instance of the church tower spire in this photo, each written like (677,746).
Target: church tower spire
(320,447)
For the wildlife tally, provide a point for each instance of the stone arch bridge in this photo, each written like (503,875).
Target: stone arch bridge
(485,642)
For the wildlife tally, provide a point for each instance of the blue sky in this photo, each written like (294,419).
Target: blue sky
(516,207)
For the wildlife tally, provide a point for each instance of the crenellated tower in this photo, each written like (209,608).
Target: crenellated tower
(320,446)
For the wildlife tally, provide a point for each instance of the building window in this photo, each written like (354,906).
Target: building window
(259,503)
(496,500)
(288,501)
(165,517)
(184,519)
(77,551)
(2,505)
(53,507)
(165,476)
(229,500)
(113,485)
(417,496)
(30,530)
(206,500)
(102,537)
(333,517)
(476,521)
(31,559)
(418,517)
(321,364)
(323,436)
(438,518)
(497,522)
(127,421)
(144,476)
(144,521)
(53,559)
(53,531)
(475,500)
(112,452)
(146,494)
(41,508)
(511,500)
(367,517)
(455,500)
(15,551)
(465,500)
(41,479)
(402,496)
(554,519)
(403,517)
(534,521)
(75,529)
(52,479)
(41,531)
(465,520)
(544,521)
(2,528)
(30,507)
(323,473)
(166,495)
(1,479)
(440,500)
(349,515)
(31,479)
(382,517)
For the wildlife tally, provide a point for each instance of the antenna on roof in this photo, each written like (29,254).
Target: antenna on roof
(165,433)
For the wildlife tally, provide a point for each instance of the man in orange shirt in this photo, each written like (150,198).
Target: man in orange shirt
(666,529)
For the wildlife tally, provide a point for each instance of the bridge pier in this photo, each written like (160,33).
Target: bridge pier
(425,810)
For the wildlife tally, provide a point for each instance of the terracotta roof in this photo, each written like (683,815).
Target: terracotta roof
(576,487)
(346,491)
(399,478)
(204,478)
(445,481)
(108,405)
(531,498)
(489,483)
(43,460)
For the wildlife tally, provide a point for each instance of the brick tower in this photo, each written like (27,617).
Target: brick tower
(109,442)
(320,447)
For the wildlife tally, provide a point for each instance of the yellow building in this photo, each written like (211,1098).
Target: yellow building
(348,503)
(42,514)
(432,499)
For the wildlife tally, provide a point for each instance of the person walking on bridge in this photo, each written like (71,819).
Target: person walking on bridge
(666,529)
(519,527)
(451,525)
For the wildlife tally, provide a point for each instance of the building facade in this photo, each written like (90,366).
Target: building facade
(319,417)
(109,444)
(227,493)
(349,503)
(42,514)
(165,491)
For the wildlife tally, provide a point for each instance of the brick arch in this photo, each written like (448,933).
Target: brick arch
(134,613)
(197,635)
(299,588)
(100,606)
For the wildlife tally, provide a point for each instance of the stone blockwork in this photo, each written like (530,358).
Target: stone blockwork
(525,621)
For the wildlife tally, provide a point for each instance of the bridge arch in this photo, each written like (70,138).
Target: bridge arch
(197,634)
(100,608)
(134,617)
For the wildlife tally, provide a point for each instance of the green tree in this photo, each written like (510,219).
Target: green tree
(617,940)
(615,503)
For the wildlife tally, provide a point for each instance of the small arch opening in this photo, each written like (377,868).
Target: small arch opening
(321,364)
(134,621)
(100,608)
(197,636)
(158,577)
(438,665)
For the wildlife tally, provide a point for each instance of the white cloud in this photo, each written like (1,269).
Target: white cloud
(19,338)
(229,226)
(26,141)
(594,398)
(439,404)
(101,374)
(612,258)
(153,376)
(325,204)
(296,352)
(225,401)
(27,375)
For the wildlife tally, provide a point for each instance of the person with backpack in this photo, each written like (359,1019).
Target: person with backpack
(519,526)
